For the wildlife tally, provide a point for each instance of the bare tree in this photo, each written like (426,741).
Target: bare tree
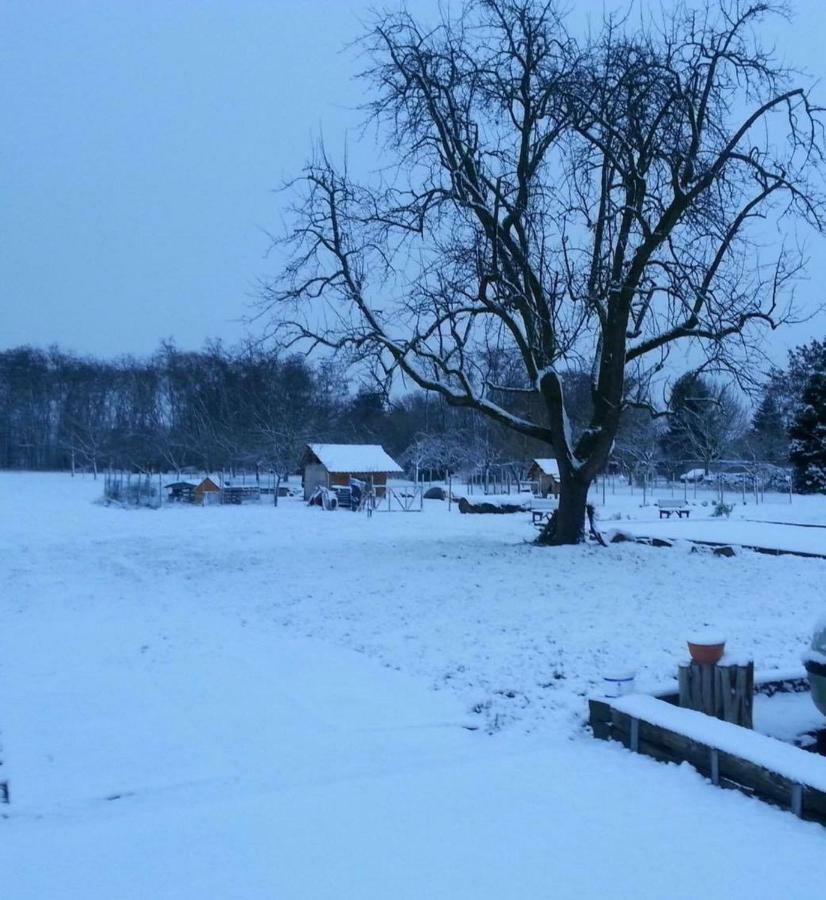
(570,201)
(637,447)
(713,428)
(424,453)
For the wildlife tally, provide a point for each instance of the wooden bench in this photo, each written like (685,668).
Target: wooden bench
(667,507)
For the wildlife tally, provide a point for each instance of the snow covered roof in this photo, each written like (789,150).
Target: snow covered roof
(548,466)
(359,458)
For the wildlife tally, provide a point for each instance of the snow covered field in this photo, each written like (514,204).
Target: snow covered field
(244,702)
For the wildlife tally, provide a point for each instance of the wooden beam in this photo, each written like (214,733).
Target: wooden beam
(722,768)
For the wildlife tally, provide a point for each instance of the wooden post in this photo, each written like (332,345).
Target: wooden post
(734,686)
(725,691)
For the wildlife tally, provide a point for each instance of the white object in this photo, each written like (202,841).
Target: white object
(619,684)
(706,638)
(357,458)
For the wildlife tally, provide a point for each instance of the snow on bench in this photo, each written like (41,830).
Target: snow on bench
(791,762)
(668,506)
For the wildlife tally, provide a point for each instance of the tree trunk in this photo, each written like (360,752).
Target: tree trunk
(569,521)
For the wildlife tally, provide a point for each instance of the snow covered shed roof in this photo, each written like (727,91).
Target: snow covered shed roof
(359,458)
(548,466)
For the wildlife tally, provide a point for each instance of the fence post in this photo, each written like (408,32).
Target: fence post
(635,735)
(723,691)
(796,800)
(5,796)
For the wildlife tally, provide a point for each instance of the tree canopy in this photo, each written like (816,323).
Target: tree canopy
(570,202)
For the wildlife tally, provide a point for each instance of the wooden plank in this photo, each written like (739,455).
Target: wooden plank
(677,746)
(602,730)
(707,697)
(814,804)
(723,691)
(684,685)
(768,687)
(735,687)
(766,784)
(599,710)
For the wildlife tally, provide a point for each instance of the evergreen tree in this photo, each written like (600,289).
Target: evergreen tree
(808,434)
(691,401)
(781,402)
(769,435)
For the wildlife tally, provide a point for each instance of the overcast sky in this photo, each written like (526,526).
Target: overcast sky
(140,143)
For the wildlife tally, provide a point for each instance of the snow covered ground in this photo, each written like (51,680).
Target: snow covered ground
(248,702)
(786,716)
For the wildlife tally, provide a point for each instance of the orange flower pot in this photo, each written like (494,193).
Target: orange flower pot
(706,654)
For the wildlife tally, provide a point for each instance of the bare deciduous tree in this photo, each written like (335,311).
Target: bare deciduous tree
(708,422)
(569,202)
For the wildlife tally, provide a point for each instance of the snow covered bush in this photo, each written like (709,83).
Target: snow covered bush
(722,509)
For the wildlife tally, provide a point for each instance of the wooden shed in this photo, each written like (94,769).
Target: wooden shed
(207,492)
(334,465)
(545,472)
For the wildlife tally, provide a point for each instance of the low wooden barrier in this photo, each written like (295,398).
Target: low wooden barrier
(729,755)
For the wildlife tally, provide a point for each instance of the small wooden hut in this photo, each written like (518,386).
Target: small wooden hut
(335,465)
(207,492)
(545,474)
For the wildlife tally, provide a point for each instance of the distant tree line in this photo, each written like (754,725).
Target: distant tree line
(254,409)
(211,409)
(218,409)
